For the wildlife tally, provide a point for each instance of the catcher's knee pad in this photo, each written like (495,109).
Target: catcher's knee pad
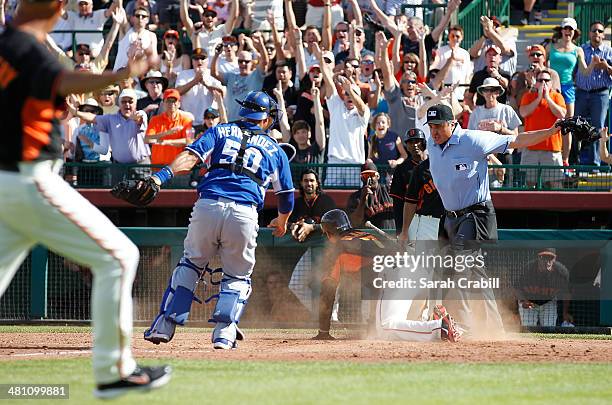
(176,303)
(232,299)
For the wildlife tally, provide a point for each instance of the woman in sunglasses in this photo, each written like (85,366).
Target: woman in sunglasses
(563,56)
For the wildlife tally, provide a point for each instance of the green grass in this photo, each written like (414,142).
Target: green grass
(233,382)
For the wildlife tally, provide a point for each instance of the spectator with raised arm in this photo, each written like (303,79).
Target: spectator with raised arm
(401,97)
(316,9)
(492,35)
(248,79)
(155,84)
(209,34)
(197,86)
(174,60)
(86,19)
(525,80)
(454,61)
(349,117)
(137,36)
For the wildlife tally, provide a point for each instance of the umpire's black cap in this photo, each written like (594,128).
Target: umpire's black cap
(439,114)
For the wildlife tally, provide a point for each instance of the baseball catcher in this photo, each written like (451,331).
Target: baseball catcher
(352,251)
(242,161)
(579,128)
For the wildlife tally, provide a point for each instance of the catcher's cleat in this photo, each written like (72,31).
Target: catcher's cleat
(323,336)
(450,332)
(156,337)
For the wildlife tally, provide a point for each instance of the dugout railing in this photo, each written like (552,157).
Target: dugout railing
(346,176)
(49,288)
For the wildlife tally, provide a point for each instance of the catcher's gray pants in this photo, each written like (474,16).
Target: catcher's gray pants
(218,227)
(475,309)
(38,206)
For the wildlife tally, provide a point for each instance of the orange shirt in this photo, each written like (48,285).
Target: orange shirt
(543,118)
(165,154)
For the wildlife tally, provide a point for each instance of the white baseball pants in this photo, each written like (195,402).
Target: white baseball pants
(38,206)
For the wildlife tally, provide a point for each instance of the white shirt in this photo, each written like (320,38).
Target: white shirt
(224,66)
(260,12)
(147,38)
(198,98)
(209,40)
(459,72)
(94,22)
(64,41)
(346,132)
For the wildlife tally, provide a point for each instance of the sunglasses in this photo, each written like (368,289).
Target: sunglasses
(341,30)
(141,16)
(88,110)
(270,49)
(155,81)
(409,61)
(108,93)
(567,28)
(536,54)
(409,81)
(83,53)
(353,65)
(544,80)
(209,117)
(367,62)
(244,61)
(596,31)
(490,90)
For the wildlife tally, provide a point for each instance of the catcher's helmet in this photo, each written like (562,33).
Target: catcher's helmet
(415,134)
(335,221)
(257,105)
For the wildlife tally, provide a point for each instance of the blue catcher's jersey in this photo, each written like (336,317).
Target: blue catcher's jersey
(263,157)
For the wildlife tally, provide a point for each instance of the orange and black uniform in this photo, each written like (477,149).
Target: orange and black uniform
(423,192)
(29,106)
(352,253)
(313,209)
(399,185)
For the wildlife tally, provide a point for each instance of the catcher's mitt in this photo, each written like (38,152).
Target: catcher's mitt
(137,192)
(580,129)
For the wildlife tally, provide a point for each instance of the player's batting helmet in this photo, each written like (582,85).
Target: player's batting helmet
(415,134)
(257,105)
(335,221)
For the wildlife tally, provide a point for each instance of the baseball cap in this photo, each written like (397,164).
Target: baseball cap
(569,22)
(92,103)
(85,1)
(495,48)
(128,93)
(172,93)
(495,20)
(199,53)
(536,47)
(210,10)
(548,251)
(229,39)
(211,111)
(315,66)
(439,114)
(171,33)
(368,168)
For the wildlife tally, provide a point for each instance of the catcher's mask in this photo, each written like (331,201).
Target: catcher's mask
(334,222)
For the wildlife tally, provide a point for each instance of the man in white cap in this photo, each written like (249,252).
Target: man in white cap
(126,129)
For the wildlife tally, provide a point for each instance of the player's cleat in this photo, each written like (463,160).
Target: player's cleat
(142,379)
(224,344)
(323,336)
(439,312)
(156,337)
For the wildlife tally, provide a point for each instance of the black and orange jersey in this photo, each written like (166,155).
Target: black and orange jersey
(313,209)
(29,106)
(423,192)
(353,252)
(401,178)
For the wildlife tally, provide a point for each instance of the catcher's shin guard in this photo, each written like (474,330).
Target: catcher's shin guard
(176,302)
(326,302)
(232,299)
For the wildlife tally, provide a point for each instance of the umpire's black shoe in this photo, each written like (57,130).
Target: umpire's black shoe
(142,379)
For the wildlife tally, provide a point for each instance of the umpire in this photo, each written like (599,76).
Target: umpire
(458,165)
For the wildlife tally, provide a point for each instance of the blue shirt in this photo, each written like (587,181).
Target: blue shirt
(237,89)
(126,136)
(599,78)
(263,157)
(91,132)
(459,170)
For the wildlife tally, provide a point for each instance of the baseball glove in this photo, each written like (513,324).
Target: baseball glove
(580,129)
(136,192)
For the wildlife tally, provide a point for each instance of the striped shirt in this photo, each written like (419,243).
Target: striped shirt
(599,78)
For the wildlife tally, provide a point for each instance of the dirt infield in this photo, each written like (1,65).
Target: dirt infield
(295,346)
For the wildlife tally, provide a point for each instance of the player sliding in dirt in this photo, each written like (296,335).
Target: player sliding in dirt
(352,250)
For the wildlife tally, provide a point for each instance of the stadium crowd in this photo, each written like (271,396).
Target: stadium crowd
(351,81)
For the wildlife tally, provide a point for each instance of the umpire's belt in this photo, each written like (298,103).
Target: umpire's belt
(481,206)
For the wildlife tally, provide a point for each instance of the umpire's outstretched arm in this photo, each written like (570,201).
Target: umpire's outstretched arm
(525,139)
